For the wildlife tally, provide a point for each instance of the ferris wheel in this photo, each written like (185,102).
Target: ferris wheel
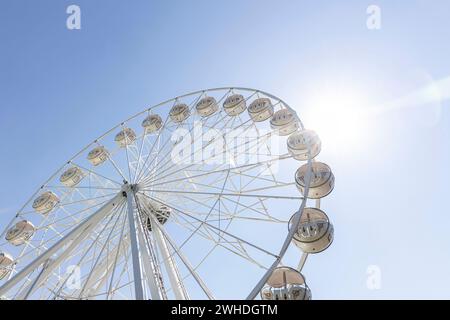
(197,197)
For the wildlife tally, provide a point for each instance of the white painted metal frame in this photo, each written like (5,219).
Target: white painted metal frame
(146,170)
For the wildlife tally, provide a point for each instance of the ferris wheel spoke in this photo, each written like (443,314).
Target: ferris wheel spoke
(203,222)
(167,121)
(195,185)
(74,237)
(274,183)
(124,273)
(190,156)
(109,267)
(112,162)
(58,206)
(144,138)
(121,264)
(91,172)
(229,169)
(44,244)
(54,263)
(221,120)
(58,235)
(74,216)
(227,194)
(82,259)
(220,215)
(81,187)
(93,269)
(252,207)
(95,280)
(234,247)
(267,147)
(280,185)
(151,153)
(166,167)
(127,142)
(71,216)
(116,258)
(222,242)
(210,211)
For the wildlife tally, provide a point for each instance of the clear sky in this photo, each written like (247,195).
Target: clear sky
(378,99)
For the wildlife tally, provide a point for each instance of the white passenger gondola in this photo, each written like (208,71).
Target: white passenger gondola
(284,122)
(71,177)
(207,106)
(98,155)
(298,144)
(234,105)
(20,233)
(322,180)
(125,137)
(152,123)
(314,233)
(45,203)
(286,284)
(261,109)
(6,263)
(179,113)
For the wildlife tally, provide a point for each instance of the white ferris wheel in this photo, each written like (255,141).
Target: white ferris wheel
(198,197)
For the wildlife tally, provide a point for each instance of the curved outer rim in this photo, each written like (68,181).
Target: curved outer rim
(253,294)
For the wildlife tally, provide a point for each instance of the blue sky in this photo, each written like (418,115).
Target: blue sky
(59,89)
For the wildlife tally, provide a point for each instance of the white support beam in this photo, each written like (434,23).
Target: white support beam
(183,259)
(137,274)
(149,266)
(171,267)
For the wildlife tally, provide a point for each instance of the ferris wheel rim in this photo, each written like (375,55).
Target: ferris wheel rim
(290,234)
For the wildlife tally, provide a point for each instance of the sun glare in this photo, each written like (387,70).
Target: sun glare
(338,117)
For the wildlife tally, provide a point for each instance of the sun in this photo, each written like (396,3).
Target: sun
(338,116)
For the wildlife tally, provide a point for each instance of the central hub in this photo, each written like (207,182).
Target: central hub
(148,208)
(126,187)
